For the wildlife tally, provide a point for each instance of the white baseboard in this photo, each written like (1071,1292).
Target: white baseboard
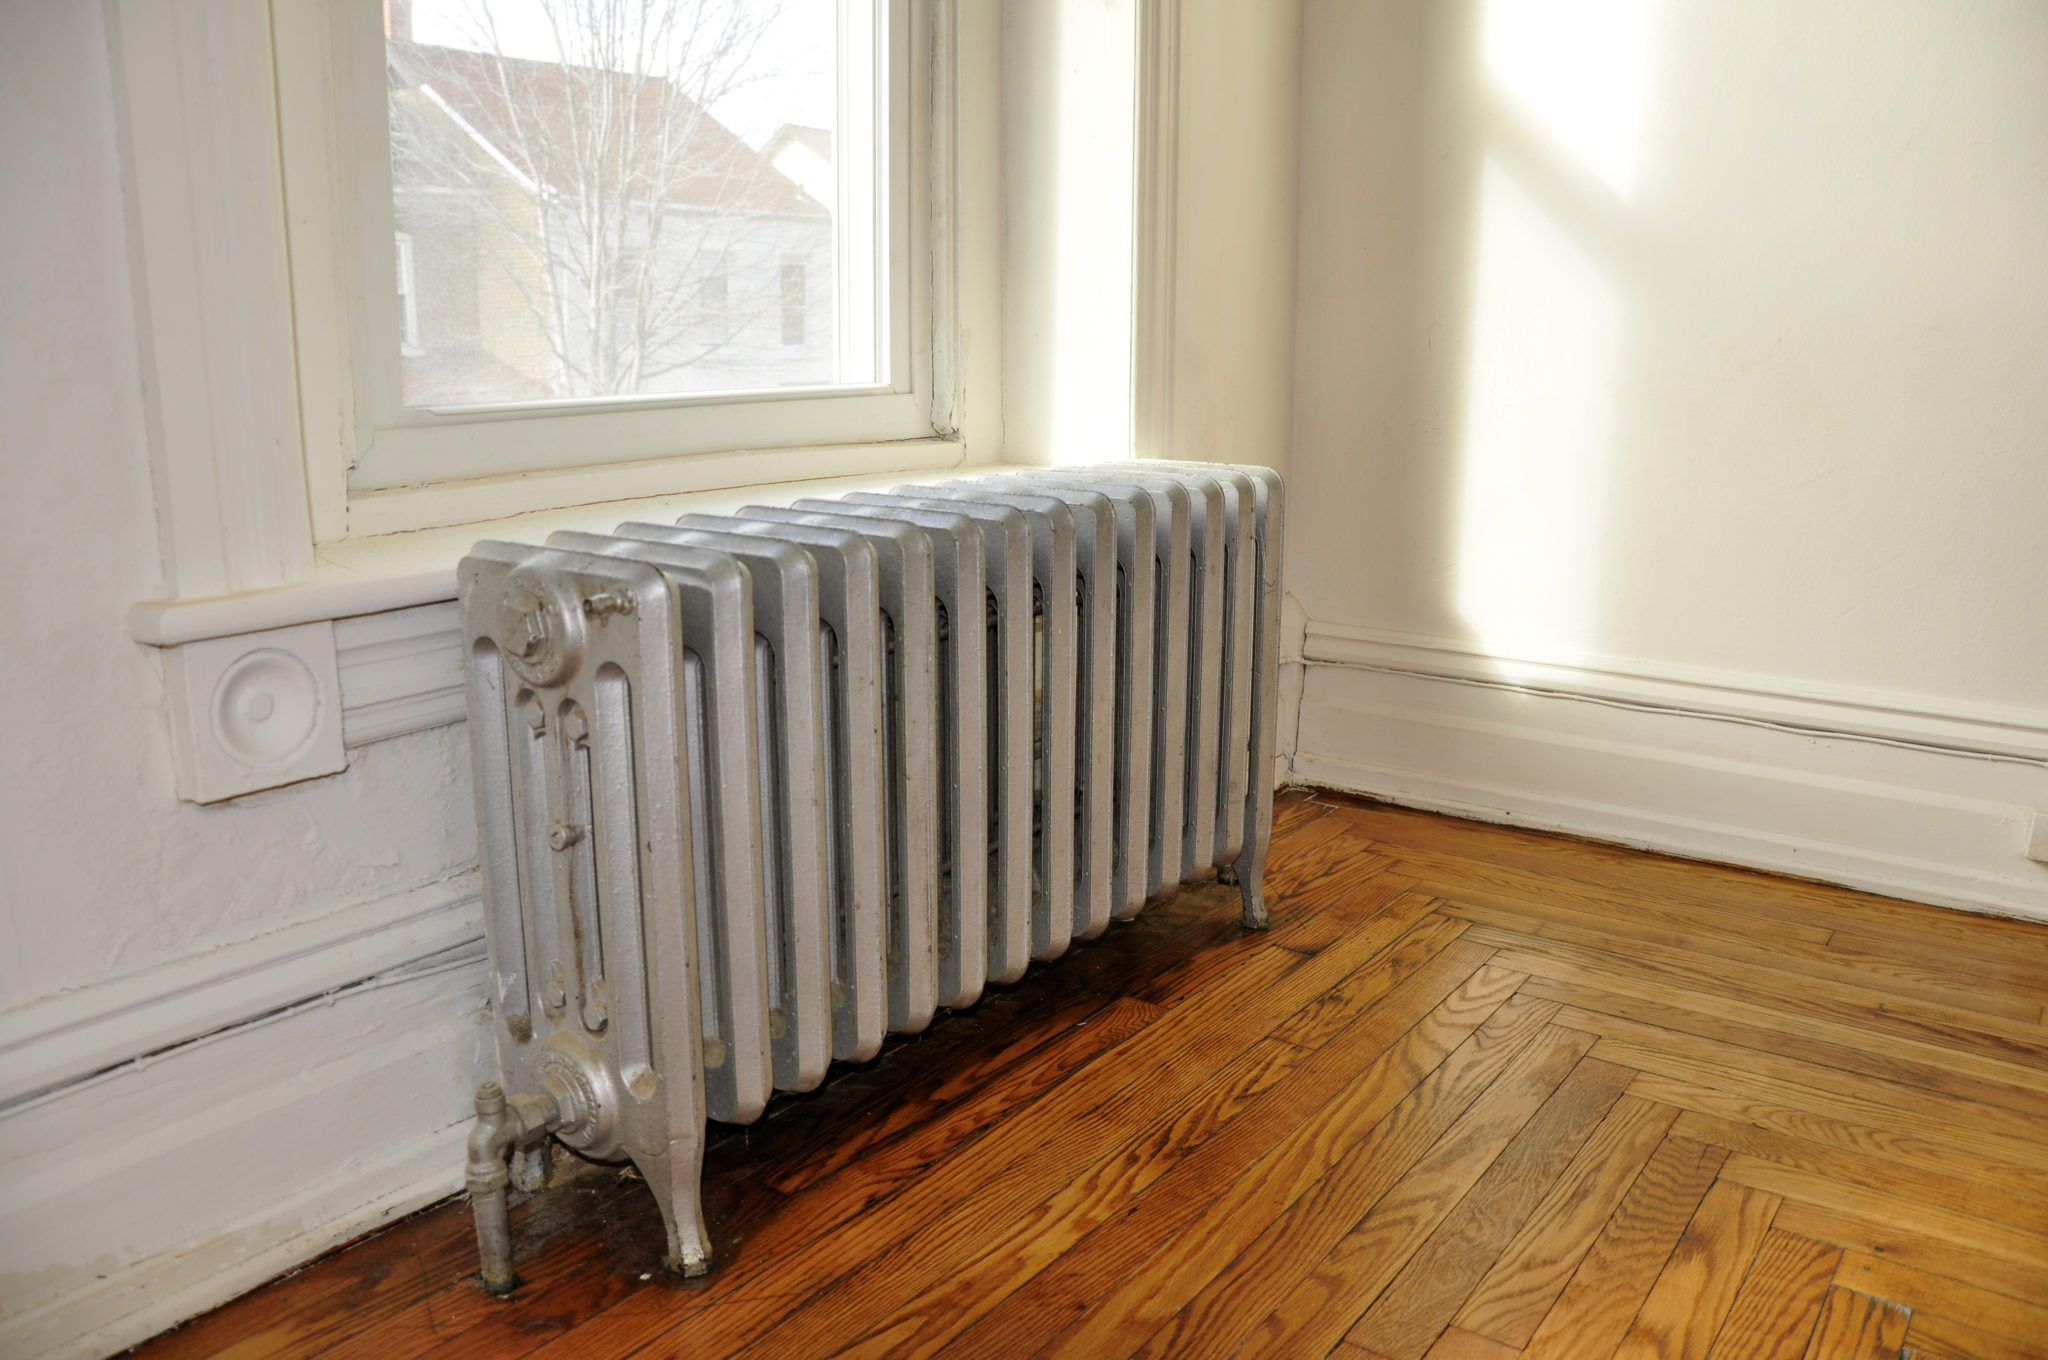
(151,1191)
(1916,802)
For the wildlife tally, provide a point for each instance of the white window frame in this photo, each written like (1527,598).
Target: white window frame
(408,297)
(372,467)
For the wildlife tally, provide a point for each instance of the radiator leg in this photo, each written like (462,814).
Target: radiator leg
(1250,873)
(674,1179)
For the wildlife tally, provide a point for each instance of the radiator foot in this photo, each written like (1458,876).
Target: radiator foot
(1251,886)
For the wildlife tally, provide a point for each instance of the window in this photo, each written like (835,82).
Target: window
(792,302)
(408,300)
(627,232)
(714,317)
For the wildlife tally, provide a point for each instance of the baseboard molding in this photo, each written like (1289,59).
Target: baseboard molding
(74,1034)
(1792,705)
(156,1295)
(1766,787)
(150,1193)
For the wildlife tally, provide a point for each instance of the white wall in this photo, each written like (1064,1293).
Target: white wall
(216,1161)
(232,1036)
(1685,355)
(1233,305)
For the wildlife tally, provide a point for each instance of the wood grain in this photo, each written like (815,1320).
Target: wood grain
(1921,1291)
(1856,1326)
(1780,1300)
(1691,1299)
(1595,1310)
(1420,1303)
(1479,1093)
(1943,1338)
(1532,1271)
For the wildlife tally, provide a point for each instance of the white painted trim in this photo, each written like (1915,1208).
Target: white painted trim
(1791,705)
(374,513)
(401,672)
(1904,819)
(74,1034)
(403,570)
(193,84)
(1157,222)
(158,1293)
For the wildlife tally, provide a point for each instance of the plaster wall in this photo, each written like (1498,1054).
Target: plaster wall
(1662,365)
(1692,331)
(113,893)
(103,872)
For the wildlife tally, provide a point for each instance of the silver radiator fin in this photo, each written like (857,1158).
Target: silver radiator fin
(756,790)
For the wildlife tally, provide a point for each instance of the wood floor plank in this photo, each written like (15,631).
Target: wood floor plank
(1922,1291)
(1326,1015)
(1934,1337)
(1871,1172)
(1457,1344)
(1780,1300)
(1856,1326)
(2018,971)
(1364,1219)
(1538,1261)
(1479,878)
(1813,1028)
(1417,1307)
(1685,1308)
(1385,893)
(1936,1255)
(1773,976)
(949,1221)
(2000,1134)
(1234,1216)
(2019,1245)
(1764,898)
(1605,1292)
(1382,1041)
(974,1100)
(1881,1139)
(1886,980)
(1027,1245)
(1440,1000)
(1096,1140)
(794,1255)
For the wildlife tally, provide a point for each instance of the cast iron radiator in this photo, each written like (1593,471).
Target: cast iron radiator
(755,791)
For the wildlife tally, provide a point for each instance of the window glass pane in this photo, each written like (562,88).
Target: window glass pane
(611,198)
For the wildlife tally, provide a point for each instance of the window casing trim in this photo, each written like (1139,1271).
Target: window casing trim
(357,455)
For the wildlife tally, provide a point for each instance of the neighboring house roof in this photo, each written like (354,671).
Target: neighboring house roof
(563,126)
(805,155)
(817,141)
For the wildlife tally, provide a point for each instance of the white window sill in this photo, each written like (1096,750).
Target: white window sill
(377,635)
(376,574)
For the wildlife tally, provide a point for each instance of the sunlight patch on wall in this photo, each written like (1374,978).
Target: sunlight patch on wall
(1577,69)
(1540,399)
(1092,262)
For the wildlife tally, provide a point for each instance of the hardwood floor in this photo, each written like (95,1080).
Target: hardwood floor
(1480,1093)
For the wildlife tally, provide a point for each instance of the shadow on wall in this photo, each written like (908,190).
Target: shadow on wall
(1562,97)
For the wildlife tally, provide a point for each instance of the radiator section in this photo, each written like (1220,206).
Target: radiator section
(756,790)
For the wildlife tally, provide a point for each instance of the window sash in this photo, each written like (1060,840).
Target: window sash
(332,92)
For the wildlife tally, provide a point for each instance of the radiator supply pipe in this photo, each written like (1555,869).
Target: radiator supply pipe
(501,1126)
